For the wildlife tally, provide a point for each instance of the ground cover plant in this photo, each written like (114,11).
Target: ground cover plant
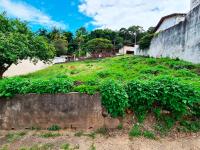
(168,88)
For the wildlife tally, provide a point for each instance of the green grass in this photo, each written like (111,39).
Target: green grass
(39,147)
(13,136)
(123,68)
(50,135)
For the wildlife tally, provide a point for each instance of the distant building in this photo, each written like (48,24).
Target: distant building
(169,21)
(128,50)
(194,3)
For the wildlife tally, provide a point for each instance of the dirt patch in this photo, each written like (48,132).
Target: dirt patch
(116,140)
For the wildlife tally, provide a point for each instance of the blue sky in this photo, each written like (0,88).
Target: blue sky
(72,14)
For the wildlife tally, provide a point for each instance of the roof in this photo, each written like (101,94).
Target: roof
(166,17)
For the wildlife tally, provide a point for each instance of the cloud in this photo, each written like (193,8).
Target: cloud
(28,13)
(115,14)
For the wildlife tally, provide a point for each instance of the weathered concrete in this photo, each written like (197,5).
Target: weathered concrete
(74,110)
(180,41)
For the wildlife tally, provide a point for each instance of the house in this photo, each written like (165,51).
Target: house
(169,21)
(128,50)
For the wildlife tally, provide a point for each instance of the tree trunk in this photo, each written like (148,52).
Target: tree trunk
(1,72)
(3,69)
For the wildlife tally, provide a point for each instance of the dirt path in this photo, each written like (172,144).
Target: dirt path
(100,142)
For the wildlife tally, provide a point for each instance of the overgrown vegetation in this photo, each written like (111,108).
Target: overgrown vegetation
(170,89)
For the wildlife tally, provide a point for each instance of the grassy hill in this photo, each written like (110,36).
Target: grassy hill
(143,85)
(124,69)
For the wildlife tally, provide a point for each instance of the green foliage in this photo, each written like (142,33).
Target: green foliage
(145,41)
(91,90)
(39,147)
(162,94)
(92,147)
(54,128)
(120,126)
(99,45)
(135,131)
(12,136)
(60,46)
(11,86)
(49,135)
(114,98)
(149,135)
(190,126)
(65,147)
(103,131)
(17,42)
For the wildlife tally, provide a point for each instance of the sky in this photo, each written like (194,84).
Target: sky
(92,14)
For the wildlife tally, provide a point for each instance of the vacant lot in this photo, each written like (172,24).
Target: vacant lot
(123,68)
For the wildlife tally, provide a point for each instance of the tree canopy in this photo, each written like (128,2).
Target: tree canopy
(18,42)
(99,45)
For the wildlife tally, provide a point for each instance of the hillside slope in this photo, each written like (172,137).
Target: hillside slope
(122,68)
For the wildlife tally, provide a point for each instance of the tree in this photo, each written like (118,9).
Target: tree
(145,41)
(81,38)
(61,46)
(99,45)
(17,42)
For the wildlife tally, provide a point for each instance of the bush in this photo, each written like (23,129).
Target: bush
(12,86)
(114,98)
(54,128)
(162,95)
(91,90)
(135,131)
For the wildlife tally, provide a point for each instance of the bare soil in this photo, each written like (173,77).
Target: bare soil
(116,140)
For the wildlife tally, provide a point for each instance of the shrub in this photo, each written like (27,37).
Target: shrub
(149,135)
(135,131)
(50,135)
(162,95)
(12,86)
(114,98)
(86,89)
(145,41)
(54,128)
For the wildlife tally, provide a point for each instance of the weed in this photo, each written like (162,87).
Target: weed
(39,147)
(79,134)
(135,131)
(15,136)
(54,128)
(49,135)
(92,147)
(149,135)
(120,126)
(103,131)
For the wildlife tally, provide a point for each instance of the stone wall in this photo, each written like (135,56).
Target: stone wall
(180,41)
(74,111)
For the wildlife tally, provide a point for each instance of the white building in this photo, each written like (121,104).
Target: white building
(128,50)
(169,21)
(194,3)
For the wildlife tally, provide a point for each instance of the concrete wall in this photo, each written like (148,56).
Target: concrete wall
(180,41)
(74,111)
(170,22)
(194,3)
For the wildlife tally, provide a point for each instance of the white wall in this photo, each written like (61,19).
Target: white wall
(194,3)
(170,22)
(181,41)
(25,67)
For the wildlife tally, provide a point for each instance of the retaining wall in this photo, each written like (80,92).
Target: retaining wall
(73,110)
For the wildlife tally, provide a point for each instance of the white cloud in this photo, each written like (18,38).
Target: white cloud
(29,13)
(115,14)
